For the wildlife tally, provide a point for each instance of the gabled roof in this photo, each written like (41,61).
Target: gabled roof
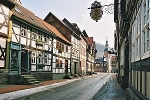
(50,13)
(85,34)
(27,16)
(94,44)
(90,40)
(7,3)
(74,28)
(55,31)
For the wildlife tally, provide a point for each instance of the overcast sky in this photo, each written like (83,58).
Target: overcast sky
(76,12)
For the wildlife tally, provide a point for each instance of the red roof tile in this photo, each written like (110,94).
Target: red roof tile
(89,40)
(55,31)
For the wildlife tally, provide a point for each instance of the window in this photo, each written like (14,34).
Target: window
(57,45)
(23,30)
(17,10)
(144,13)
(144,40)
(40,58)
(33,58)
(57,63)
(147,39)
(62,47)
(34,32)
(46,58)
(46,39)
(60,63)
(66,48)
(40,39)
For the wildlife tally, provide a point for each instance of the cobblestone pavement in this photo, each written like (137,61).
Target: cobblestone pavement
(12,88)
(111,91)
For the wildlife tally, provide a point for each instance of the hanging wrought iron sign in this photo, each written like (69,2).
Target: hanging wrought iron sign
(97,10)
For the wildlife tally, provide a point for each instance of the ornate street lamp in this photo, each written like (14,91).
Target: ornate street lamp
(97,10)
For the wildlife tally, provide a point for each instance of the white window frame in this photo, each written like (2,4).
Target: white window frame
(23,30)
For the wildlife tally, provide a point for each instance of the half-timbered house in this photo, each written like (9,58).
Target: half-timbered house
(83,45)
(90,54)
(67,33)
(6,8)
(61,53)
(30,46)
(75,40)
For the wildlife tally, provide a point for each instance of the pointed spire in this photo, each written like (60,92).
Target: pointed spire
(106,45)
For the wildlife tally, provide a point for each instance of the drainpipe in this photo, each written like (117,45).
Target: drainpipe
(7,60)
(118,60)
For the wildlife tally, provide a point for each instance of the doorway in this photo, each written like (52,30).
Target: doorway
(24,61)
(66,66)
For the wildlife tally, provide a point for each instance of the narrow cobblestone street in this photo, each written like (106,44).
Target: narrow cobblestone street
(111,91)
(102,86)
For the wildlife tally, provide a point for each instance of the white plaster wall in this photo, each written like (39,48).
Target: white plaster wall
(139,80)
(23,40)
(33,67)
(4,29)
(148,85)
(14,38)
(1,63)
(143,82)
(3,42)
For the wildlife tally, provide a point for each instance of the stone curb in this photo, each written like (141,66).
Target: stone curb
(27,92)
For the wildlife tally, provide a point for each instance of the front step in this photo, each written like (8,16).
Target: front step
(29,79)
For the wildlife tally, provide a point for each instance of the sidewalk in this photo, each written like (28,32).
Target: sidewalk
(12,88)
(111,91)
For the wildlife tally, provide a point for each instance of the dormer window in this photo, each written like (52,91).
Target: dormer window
(32,18)
(17,10)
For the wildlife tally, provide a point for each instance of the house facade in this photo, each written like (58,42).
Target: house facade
(75,40)
(113,64)
(99,65)
(133,46)
(30,45)
(61,53)
(66,33)
(90,54)
(36,48)
(6,10)
(107,57)
(83,45)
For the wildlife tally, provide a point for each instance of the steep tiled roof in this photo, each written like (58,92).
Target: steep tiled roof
(7,3)
(27,16)
(76,26)
(90,40)
(55,31)
(50,13)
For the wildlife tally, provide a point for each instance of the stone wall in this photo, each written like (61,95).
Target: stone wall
(3,76)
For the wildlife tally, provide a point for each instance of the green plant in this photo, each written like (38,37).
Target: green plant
(40,66)
(60,50)
(14,67)
(66,76)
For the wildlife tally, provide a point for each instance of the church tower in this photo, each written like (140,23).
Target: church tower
(106,48)
(107,57)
